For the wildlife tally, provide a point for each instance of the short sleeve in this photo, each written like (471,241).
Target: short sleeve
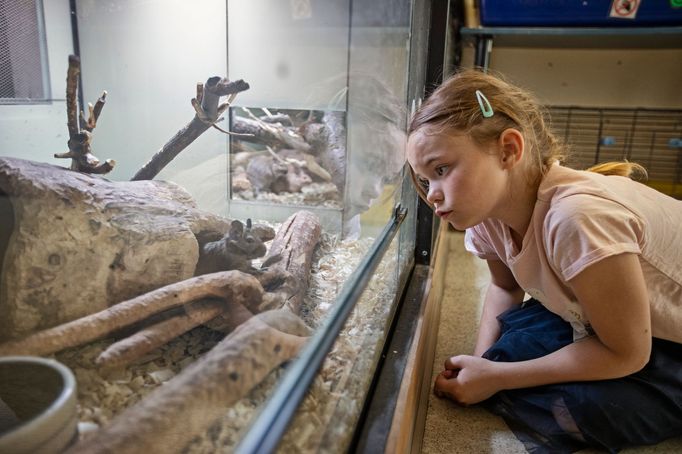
(477,241)
(583,229)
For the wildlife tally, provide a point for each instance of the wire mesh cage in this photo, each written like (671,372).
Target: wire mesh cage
(23,59)
(650,137)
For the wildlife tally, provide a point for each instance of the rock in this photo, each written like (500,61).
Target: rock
(72,244)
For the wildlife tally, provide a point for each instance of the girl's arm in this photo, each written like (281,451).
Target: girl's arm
(613,294)
(503,293)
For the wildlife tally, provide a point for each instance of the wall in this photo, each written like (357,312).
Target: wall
(594,77)
(149,56)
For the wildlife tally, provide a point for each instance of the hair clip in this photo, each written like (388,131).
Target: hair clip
(484,104)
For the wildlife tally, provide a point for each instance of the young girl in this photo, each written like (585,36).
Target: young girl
(595,356)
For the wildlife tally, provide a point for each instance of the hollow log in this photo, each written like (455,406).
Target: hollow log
(295,243)
(72,244)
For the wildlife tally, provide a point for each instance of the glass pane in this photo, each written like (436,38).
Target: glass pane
(292,150)
(179,242)
(288,156)
(326,419)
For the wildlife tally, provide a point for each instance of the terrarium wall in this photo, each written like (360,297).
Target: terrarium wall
(285,51)
(336,67)
(149,56)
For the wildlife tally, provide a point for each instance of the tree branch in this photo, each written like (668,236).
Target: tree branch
(214,88)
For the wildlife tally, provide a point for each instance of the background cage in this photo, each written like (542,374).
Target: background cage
(650,137)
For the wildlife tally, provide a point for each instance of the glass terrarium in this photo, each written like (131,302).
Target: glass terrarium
(205,212)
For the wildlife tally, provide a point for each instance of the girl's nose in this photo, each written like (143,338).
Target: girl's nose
(434,195)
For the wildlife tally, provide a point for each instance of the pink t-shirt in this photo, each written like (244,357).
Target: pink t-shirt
(580,218)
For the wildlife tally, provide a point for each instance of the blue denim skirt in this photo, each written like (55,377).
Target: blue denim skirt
(640,409)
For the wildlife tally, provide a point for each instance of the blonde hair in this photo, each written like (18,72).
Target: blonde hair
(454,108)
(622,169)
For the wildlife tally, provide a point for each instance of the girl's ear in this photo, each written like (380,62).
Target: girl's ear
(512,147)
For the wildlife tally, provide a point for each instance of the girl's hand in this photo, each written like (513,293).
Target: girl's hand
(467,380)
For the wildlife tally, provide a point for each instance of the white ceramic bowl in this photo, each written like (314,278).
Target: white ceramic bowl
(37,405)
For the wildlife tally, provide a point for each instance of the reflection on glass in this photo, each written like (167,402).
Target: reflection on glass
(377,141)
(326,418)
(288,156)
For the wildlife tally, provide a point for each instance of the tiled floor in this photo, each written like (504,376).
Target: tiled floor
(452,429)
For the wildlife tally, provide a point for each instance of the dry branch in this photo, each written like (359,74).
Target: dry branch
(80,137)
(228,285)
(142,342)
(274,135)
(72,74)
(214,88)
(186,406)
(93,113)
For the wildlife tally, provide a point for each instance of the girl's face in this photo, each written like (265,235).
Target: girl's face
(465,183)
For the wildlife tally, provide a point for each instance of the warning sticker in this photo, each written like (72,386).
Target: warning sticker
(624,9)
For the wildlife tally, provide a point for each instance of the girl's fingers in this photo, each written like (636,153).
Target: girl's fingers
(438,386)
(447,373)
(454,363)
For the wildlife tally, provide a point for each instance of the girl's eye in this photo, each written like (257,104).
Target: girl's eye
(440,170)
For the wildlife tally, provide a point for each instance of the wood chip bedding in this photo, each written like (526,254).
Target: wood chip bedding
(334,400)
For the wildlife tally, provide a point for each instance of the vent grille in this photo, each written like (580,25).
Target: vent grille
(23,65)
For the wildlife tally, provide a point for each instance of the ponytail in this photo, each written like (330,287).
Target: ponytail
(622,168)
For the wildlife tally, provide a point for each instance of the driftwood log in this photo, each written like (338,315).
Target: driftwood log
(184,407)
(277,136)
(234,286)
(73,244)
(131,348)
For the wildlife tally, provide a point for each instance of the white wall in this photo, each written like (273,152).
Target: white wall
(285,54)
(149,56)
